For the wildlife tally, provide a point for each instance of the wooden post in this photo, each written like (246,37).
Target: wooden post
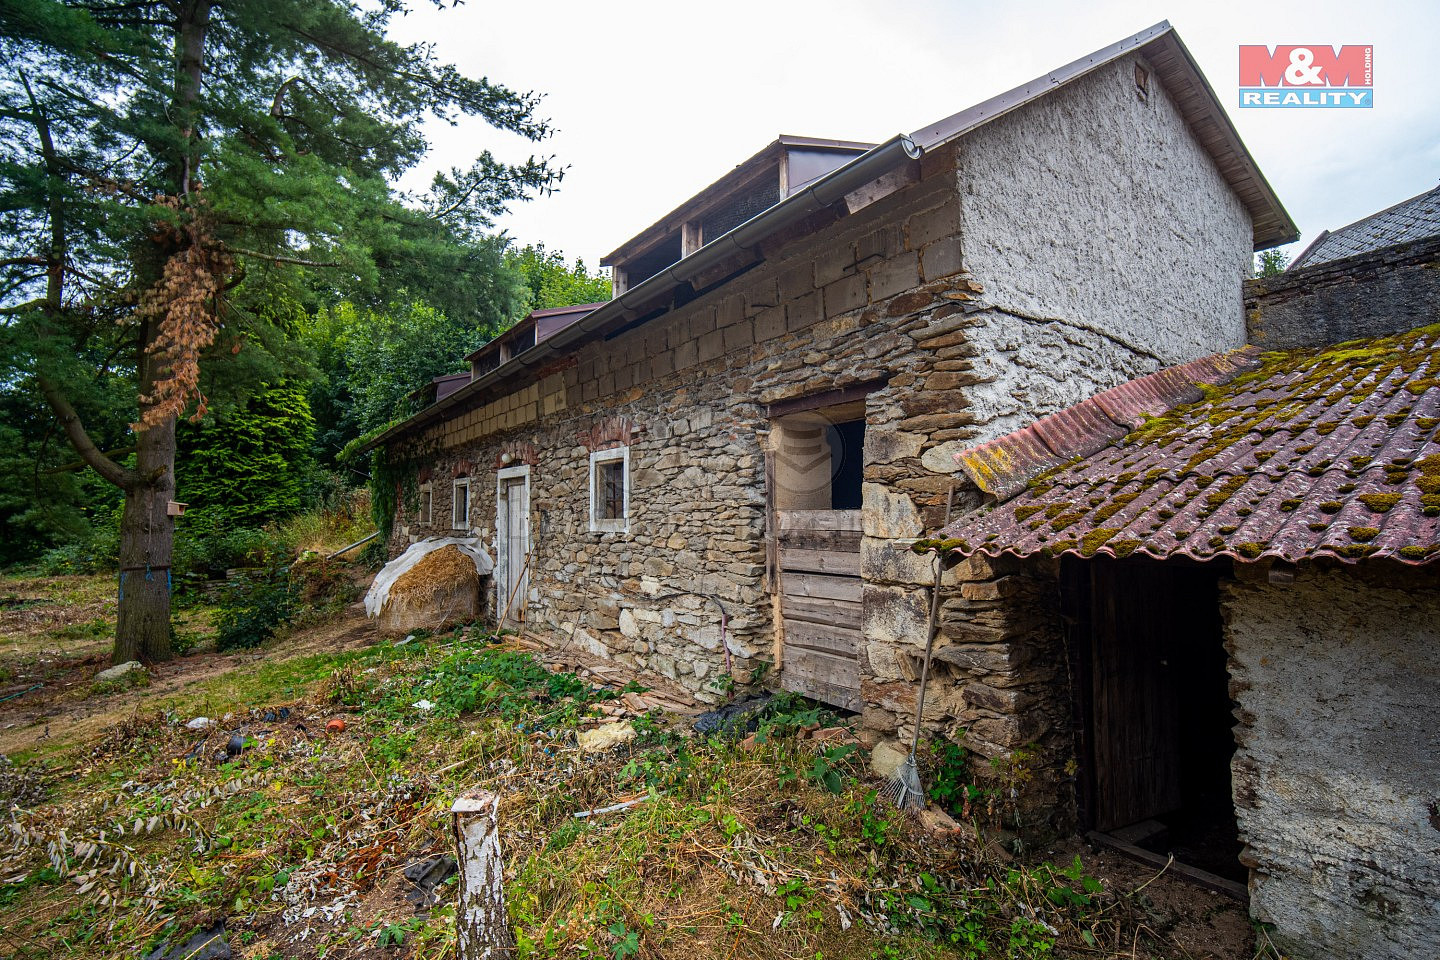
(482,926)
(772,563)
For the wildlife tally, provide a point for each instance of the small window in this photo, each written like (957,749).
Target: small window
(460,505)
(610,489)
(427,504)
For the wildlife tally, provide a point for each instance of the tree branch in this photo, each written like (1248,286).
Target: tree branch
(79,465)
(80,439)
(279,258)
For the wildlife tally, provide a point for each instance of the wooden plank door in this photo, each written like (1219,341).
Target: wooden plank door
(514,530)
(819,560)
(1137,614)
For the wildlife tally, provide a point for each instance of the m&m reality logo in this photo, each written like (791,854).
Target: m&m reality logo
(1307,76)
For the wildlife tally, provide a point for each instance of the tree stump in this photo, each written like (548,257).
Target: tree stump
(482,926)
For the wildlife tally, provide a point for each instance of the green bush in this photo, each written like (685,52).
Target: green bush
(253,608)
(96,552)
(205,548)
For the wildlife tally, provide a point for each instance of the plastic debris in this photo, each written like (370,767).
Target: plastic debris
(205,945)
(738,717)
(425,876)
(424,706)
(119,671)
(200,723)
(337,725)
(236,745)
(605,737)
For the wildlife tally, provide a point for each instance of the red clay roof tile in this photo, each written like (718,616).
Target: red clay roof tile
(1319,453)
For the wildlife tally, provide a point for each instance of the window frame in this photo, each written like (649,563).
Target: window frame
(620,524)
(455,488)
(427,505)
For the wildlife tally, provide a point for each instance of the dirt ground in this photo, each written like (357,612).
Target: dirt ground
(54,638)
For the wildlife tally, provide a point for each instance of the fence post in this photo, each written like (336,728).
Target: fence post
(482,926)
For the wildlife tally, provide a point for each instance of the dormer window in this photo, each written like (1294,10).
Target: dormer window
(786,166)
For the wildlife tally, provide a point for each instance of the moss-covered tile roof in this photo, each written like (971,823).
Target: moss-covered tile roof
(1317,453)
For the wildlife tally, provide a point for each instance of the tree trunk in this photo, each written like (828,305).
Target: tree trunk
(482,926)
(147,536)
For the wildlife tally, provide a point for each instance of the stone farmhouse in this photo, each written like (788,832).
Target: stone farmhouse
(717,476)
(720,471)
(1236,602)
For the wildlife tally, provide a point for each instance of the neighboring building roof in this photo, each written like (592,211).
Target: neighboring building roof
(1318,453)
(1160,44)
(1409,220)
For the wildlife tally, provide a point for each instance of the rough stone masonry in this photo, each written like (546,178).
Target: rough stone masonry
(1036,262)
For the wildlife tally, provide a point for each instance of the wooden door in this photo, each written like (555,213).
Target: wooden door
(819,562)
(514,529)
(1138,611)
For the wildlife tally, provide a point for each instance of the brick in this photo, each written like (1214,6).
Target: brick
(845,295)
(730,310)
(796,281)
(909,303)
(941,258)
(879,244)
(739,335)
(834,263)
(712,345)
(769,324)
(761,296)
(804,311)
(687,354)
(925,228)
(894,276)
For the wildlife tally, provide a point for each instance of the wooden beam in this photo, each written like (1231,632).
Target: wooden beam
(830,398)
(822,586)
(1210,881)
(819,520)
(838,613)
(840,563)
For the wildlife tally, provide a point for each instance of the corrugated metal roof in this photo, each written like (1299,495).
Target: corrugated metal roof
(1003,466)
(1410,220)
(1319,453)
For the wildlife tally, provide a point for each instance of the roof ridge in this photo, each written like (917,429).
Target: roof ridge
(1004,466)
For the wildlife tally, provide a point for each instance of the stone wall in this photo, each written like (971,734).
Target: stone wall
(1337,781)
(1367,295)
(1099,211)
(886,294)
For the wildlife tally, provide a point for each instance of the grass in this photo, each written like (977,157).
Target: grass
(135,831)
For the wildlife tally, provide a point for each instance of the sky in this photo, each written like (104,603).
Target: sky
(651,102)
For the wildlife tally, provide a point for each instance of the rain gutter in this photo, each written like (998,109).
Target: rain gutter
(645,296)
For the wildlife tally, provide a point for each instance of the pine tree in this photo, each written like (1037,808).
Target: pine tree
(166,167)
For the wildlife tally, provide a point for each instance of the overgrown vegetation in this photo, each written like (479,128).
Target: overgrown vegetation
(758,841)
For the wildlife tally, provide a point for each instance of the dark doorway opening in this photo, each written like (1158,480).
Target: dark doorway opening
(847,445)
(1153,709)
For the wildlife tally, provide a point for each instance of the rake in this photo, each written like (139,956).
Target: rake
(904,788)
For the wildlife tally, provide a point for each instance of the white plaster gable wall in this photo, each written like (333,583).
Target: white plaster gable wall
(1337,775)
(1094,207)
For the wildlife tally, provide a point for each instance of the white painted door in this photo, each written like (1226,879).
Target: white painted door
(513,526)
